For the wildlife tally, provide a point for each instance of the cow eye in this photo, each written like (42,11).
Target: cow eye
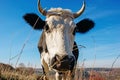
(46,28)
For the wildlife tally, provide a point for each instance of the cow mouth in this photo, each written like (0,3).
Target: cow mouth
(65,64)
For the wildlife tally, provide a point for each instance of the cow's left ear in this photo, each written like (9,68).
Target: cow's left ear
(85,25)
(34,20)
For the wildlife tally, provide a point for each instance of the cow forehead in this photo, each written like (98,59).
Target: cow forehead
(60,17)
(65,13)
(56,21)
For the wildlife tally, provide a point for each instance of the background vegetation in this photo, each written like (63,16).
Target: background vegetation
(7,72)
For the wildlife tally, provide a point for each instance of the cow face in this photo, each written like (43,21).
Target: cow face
(59,30)
(59,35)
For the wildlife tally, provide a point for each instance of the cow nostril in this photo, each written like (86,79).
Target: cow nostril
(66,57)
(55,59)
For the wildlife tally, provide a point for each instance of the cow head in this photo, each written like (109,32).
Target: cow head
(59,31)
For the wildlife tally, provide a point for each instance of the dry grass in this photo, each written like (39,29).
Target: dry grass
(7,72)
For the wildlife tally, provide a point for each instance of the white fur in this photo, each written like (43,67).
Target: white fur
(59,11)
(60,40)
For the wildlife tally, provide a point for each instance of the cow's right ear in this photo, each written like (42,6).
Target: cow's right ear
(84,25)
(34,20)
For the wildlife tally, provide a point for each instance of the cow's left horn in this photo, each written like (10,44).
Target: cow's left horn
(77,14)
(42,11)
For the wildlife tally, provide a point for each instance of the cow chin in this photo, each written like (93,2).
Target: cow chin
(65,64)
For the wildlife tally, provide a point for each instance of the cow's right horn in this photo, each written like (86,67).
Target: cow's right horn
(42,11)
(77,14)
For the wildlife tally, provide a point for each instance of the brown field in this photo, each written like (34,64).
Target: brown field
(8,72)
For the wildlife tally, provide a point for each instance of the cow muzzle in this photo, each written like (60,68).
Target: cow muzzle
(63,64)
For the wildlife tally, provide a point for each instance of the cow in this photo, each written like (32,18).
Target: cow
(57,46)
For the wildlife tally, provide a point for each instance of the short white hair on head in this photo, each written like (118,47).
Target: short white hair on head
(60,11)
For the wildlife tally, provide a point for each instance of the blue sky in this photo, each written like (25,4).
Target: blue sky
(102,43)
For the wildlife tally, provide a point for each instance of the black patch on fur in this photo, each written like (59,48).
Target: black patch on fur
(43,70)
(42,44)
(75,51)
(84,26)
(31,18)
(46,27)
(74,31)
